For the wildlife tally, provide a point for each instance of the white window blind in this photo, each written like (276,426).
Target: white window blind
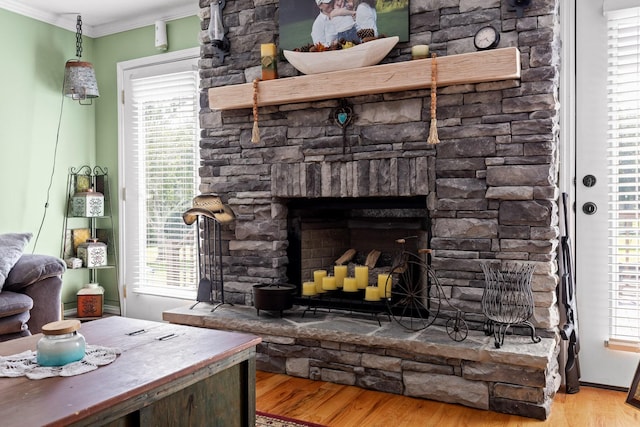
(164,161)
(623,88)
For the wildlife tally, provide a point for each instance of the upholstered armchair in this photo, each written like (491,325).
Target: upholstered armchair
(30,288)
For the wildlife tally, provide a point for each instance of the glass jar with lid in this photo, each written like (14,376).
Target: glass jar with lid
(61,343)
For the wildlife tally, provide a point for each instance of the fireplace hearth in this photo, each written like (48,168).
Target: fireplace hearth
(379,354)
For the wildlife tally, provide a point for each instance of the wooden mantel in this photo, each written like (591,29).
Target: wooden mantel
(466,68)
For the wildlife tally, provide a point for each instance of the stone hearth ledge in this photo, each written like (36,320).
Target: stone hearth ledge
(353,348)
(363,329)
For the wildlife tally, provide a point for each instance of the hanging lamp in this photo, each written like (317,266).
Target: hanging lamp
(79,77)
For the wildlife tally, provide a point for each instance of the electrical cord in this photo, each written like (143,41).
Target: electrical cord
(53,167)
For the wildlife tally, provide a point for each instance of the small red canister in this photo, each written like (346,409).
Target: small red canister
(90,300)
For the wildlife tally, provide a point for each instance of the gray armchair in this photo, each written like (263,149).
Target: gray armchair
(31,295)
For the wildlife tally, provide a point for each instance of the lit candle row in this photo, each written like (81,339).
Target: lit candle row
(322,283)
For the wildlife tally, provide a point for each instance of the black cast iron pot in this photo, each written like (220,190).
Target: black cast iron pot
(273,297)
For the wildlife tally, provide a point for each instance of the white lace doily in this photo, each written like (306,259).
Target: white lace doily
(25,364)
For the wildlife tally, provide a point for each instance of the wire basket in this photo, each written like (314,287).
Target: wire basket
(507,299)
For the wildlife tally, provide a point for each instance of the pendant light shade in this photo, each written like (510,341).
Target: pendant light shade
(79,77)
(80,80)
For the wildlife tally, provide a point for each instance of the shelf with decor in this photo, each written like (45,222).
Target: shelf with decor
(466,68)
(88,240)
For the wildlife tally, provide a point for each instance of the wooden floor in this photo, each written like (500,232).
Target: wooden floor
(339,405)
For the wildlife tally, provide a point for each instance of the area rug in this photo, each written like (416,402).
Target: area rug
(270,420)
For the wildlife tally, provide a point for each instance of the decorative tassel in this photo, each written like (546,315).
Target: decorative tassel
(255,133)
(433,129)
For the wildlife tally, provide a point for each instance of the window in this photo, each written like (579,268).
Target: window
(623,88)
(159,157)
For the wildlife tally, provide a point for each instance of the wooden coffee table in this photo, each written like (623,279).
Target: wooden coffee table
(167,375)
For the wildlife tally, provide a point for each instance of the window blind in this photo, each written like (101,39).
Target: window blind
(623,160)
(164,126)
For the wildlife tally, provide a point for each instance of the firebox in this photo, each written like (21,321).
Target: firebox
(322,230)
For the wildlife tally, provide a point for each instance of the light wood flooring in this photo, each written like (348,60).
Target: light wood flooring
(337,405)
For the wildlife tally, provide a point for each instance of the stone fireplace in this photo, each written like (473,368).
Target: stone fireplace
(487,192)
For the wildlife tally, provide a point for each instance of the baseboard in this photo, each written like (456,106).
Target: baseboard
(605,387)
(110,310)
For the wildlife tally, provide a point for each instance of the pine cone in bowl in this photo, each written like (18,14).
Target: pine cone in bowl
(365,33)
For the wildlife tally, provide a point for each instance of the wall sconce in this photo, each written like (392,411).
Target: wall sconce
(79,77)
(161,35)
(217,31)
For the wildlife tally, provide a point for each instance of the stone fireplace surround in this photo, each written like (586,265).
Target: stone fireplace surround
(490,185)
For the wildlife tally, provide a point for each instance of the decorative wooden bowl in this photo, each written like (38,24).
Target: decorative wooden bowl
(362,55)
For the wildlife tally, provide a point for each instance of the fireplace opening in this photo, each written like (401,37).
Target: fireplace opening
(323,230)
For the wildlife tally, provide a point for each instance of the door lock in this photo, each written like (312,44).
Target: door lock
(589,208)
(589,180)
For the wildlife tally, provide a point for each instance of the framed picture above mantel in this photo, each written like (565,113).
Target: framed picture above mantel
(300,18)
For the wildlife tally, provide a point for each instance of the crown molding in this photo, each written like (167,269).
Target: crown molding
(37,14)
(68,20)
(144,20)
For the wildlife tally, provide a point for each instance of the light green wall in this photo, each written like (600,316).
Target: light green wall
(31,83)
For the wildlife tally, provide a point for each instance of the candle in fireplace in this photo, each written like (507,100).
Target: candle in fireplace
(384,285)
(350,284)
(340,271)
(329,283)
(318,275)
(371,293)
(362,276)
(309,289)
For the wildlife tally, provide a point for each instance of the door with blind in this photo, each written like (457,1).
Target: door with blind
(608,188)
(159,162)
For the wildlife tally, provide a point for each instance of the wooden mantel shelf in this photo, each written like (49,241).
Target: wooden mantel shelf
(466,68)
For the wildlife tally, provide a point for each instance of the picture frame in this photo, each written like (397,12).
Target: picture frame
(296,18)
(80,235)
(633,397)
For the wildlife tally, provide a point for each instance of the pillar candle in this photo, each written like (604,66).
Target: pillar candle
(371,293)
(269,61)
(362,276)
(350,284)
(340,271)
(317,279)
(384,285)
(329,283)
(309,289)
(419,51)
